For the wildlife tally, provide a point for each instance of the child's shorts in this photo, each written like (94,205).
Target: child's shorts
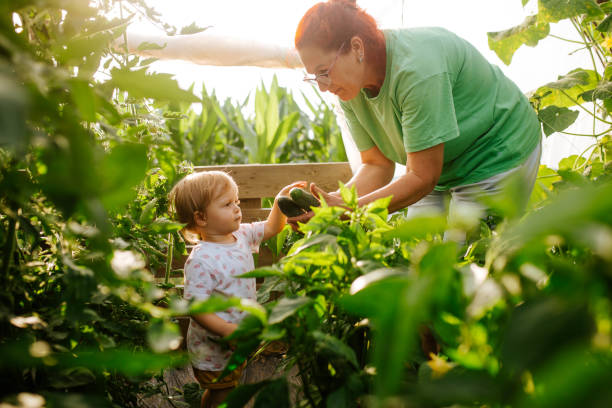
(207,378)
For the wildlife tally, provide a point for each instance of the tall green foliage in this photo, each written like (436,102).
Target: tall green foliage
(90,143)
(586,89)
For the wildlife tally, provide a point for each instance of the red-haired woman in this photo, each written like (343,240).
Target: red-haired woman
(422,97)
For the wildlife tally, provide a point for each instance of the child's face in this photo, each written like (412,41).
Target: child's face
(223,215)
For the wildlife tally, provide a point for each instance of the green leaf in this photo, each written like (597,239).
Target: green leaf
(72,377)
(571,80)
(192,394)
(78,49)
(410,301)
(192,28)
(576,207)
(330,346)
(505,43)
(240,396)
(571,162)
(418,227)
(213,304)
(575,377)
(325,240)
(366,293)
(119,172)
(83,96)
(539,328)
(145,45)
(556,119)
(13,102)
(74,400)
(272,333)
(220,303)
(460,387)
(140,84)
(287,307)
(163,336)
(603,91)
(349,195)
(275,394)
(282,132)
(164,226)
(606,25)
(262,272)
(565,91)
(551,11)
(148,212)
(254,308)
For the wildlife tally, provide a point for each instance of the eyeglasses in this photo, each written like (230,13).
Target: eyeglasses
(323,77)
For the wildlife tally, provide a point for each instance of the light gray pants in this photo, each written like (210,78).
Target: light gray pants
(470,195)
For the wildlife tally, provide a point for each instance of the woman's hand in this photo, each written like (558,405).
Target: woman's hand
(332,199)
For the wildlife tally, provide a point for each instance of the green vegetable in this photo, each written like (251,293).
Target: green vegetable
(289,207)
(303,198)
(192,393)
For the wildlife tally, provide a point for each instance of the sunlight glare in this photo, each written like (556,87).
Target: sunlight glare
(17,23)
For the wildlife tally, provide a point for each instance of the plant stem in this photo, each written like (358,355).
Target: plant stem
(580,156)
(584,134)
(169,257)
(598,50)
(9,248)
(305,383)
(582,107)
(587,43)
(564,39)
(125,40)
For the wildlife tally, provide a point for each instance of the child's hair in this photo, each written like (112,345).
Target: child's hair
(195,191)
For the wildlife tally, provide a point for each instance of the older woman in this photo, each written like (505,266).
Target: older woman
(422,97)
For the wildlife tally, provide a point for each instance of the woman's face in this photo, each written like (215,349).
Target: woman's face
(346,73)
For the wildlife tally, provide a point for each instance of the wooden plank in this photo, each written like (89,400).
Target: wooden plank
(254,214)
(266,180)
(250,203)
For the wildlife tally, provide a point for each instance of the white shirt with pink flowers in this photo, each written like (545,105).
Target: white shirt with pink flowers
(211,269)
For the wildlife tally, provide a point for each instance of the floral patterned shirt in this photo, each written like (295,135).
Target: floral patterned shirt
(210,270)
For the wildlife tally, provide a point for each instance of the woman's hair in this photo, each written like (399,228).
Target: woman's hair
(329,24)
(195,191)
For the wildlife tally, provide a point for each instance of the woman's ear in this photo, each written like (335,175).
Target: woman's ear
(358,48)
(199,218)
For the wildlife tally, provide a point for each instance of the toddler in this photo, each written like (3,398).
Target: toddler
(208,203)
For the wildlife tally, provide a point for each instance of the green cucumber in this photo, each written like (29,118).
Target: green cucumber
(303,198)
(289,207)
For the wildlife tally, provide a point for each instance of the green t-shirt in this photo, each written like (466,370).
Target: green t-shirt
(439,89)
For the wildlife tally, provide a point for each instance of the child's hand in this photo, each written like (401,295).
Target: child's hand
(285,190)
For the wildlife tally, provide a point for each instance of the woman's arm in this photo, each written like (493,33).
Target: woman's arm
(423,170)
(375,171)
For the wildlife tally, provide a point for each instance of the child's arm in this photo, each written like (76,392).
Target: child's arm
(277,220)
(214,324)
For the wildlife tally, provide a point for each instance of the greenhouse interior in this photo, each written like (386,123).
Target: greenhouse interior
(306,204)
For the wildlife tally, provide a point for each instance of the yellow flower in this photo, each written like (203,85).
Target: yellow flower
(439,366)
(607,42)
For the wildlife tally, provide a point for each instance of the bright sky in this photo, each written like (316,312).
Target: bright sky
(275,21)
